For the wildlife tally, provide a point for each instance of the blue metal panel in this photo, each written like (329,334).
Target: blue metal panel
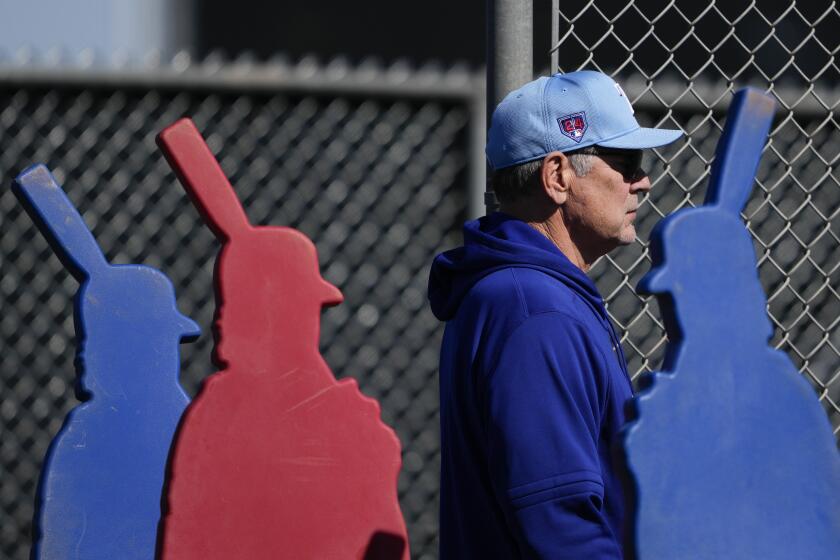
(730,454)
(101,485)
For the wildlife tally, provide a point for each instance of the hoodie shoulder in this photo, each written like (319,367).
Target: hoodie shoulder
(542,293)
(516,293)
(498,292)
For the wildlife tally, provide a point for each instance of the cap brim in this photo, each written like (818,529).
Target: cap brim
(643,138)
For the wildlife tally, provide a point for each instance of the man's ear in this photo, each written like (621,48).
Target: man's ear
(557,175)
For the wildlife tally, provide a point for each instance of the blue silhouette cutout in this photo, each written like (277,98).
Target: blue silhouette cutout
(100,490)
(731,453)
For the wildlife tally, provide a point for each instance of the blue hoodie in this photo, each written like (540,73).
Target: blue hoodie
(532,388)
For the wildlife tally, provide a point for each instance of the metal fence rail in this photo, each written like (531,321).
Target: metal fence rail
(680,62)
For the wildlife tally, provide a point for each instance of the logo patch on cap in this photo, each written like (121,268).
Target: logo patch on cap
(573,126)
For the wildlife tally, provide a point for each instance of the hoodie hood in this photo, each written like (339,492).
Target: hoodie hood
(495,242)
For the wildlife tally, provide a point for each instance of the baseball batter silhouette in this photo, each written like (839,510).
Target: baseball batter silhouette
(100,488)
(731,452)
(275,458)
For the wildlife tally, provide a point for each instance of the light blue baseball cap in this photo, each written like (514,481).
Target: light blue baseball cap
(566,112)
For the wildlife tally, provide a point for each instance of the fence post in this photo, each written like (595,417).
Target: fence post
(510,54)
(477,177)
(554,65)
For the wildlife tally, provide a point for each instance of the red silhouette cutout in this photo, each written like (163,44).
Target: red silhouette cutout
(274,457)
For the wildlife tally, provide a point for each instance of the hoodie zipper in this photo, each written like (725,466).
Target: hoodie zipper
(618,351)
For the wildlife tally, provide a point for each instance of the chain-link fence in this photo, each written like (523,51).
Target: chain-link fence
(680,62)
(375,175)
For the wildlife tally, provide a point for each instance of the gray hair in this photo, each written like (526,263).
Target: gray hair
(518,181)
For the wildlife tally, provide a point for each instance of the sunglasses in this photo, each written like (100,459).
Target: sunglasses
(627,162)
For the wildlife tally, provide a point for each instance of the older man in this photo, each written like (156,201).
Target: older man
(533,380)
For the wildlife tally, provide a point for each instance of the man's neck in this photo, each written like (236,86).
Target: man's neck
(558,234)
(550,223)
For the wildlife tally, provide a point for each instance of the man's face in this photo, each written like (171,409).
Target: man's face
(601,206)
